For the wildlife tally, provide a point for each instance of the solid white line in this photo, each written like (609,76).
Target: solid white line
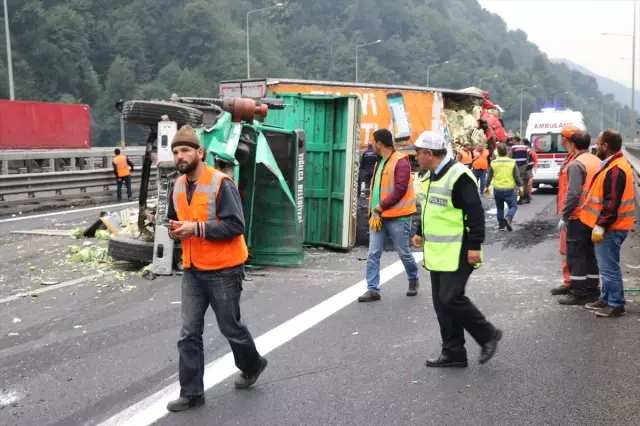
(56,287)
(88,209)
(153,408)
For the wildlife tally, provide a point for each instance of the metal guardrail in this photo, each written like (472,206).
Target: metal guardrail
(35,187)
(633,156)
(54,160)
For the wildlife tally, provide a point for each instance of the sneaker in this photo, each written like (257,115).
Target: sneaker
(413,289)
(600,304)
(501,229)
(185,402)
(610,311)
(560,290)
(508,224)
(245,380)
(369,296)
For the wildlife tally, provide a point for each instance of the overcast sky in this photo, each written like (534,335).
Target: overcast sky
(571,29)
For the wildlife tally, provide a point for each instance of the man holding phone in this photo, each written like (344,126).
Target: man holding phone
(206,216)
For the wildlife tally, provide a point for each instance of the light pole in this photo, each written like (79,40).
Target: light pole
(633,72)
(485,78)
(12,95)
(358,47)
(522,91)
(434,65)
(248,13)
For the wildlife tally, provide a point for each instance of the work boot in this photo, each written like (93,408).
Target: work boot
(489,349)
(445,360)
(527,200)
(610,311)
(185,402)
(560,290)
(596,306)
(369,296)
(508,224)
(245,380)
(572,299)
(413,289)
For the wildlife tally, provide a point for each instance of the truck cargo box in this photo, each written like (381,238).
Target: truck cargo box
(44,125)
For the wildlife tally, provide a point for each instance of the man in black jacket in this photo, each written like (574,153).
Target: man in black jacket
(367,163)
(452,231)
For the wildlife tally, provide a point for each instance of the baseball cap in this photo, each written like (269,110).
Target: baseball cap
(430,140)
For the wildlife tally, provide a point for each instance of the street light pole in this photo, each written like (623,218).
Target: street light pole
(429,69)
(521,92)
(247,30)
(633,77)
(363,45)
(12,95)
(485,78)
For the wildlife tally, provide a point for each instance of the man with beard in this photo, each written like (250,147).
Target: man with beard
(609,212)
(206,216)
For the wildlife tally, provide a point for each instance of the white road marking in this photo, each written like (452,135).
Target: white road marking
(153,408)
(56,287)
(88,209)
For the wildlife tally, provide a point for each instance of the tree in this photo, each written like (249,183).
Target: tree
(505,60)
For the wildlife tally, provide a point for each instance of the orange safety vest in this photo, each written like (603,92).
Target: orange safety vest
(407,204)
(482,162)
(466,157)
(591,165)
(122,168)
(199,253)
(594,204)
(563,182)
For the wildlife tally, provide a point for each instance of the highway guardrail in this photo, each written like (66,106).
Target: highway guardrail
(633,156)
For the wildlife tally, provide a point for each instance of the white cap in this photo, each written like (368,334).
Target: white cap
(430,140)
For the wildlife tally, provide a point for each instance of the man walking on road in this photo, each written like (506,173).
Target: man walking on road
(481,165)
(122,167)
(522,156)
(206,216)
(581,258)
(609,212)
(451,233)
(391,205)
(505,176)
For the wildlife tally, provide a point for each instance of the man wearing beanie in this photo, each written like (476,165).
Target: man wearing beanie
(206,216)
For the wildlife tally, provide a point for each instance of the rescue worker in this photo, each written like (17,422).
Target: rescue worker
(581,258)
(367,162)
(480,165)
(465,156)
(206,216)
(451,234)
(522,156)
(122,167)
(609,212)
(392,203)
(505,176)
(566,134)
(533,166)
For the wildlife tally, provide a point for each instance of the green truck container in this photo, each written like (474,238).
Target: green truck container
(332,127)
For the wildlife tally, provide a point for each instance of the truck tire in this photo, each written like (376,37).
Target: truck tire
(139,253)
(150,113)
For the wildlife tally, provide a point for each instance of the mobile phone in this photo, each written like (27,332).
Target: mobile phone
(401,125)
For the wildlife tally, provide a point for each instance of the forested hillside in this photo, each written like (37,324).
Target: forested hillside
(98,51)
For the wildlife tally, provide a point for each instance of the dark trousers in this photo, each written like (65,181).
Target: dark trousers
(581,259)
(220,290)
(366,178)
(127,181)
(456,313)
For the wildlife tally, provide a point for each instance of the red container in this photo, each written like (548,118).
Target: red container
(44,125)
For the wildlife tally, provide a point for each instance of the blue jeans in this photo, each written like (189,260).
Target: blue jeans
(503,196)
(221,290)
(608,256)
(481,175)
(400,233)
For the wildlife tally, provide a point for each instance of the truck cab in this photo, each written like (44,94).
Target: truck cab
(543,131)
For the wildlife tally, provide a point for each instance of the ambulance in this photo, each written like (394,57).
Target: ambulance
(543,131)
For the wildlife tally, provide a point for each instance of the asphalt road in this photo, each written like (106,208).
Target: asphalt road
(104,351)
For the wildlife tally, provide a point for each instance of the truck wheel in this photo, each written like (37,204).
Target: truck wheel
(151,112)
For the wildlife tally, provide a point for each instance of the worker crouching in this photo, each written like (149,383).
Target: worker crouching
(451,233)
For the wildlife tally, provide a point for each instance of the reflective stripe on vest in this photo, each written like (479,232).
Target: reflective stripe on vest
(593,206)
(563,182)
(407,204)
(442,223)
(122,167)
(503,168)
(520,153)
(482,162)
(199,253)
